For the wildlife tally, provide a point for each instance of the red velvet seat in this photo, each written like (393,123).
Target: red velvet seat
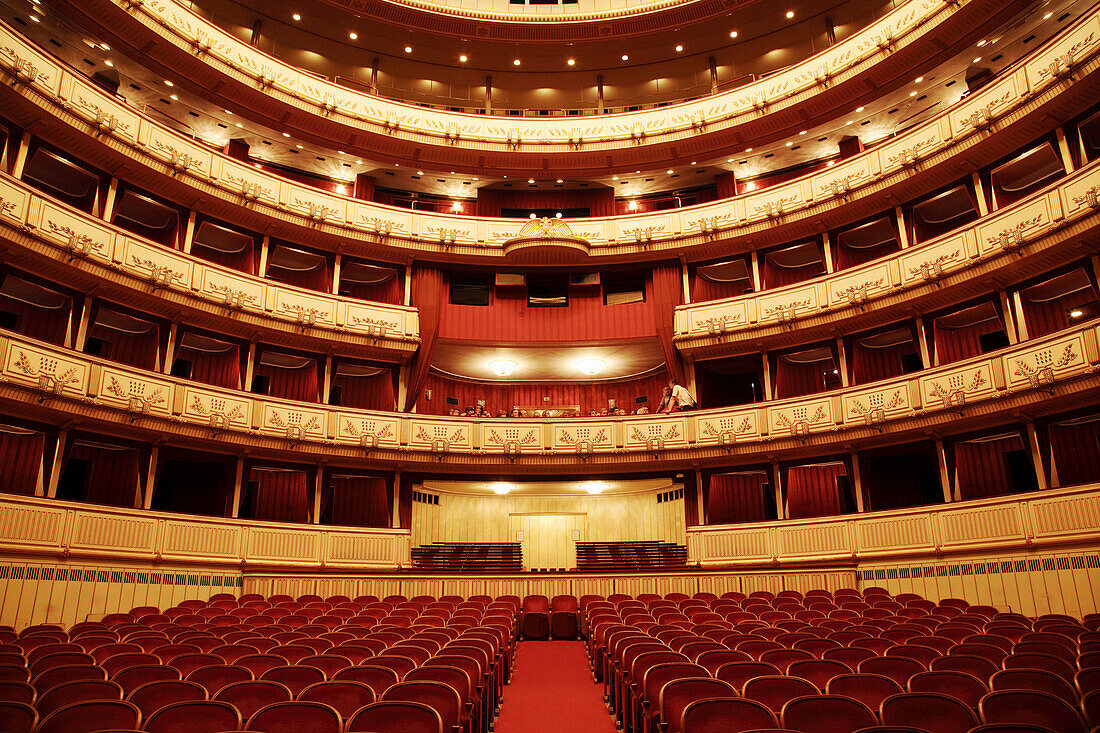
(678,694)
(869,689)
(60,675)
(155,695)
(564,618)
(959,685)
(215,677)
(726,715)
(295,678)
(296,717)
(929,711)
(775,691)
(1032,707)
(899,669)
(248,697)
(396,717)
(17,717)
(1034,679)
(826,714)
(818,671)
(535,617)
(345,696)
(194,716)
(738,673)
(92,716)
(17,692)
(70,692)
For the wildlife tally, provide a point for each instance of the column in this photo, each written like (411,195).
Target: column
(109,200)
(336,273)
(857,483)
(768,394)
(318,482)
(250,366)
(265,245)
(757,283)
(927,358)
(842,357)
(238,484)
(408,284)
(189,232)
(777,485)
(903,230)
(327,393)
(58,460)
(1063,149)
(1037,456)
(1010,320)
(150,477)
(1018,312)
(686,281)
(949,494)
(395,515)
(170,348)
(700,510)
(21,156)
(827,248)
(979,191)
(85,317)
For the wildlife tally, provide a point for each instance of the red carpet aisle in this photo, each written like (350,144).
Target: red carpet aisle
(552,691)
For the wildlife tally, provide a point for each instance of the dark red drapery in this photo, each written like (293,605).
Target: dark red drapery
(220,369)
(367,393)
(291,384)
(1048,316)
(667,287)
(871,365)
(243,261)
(318,279)
(21,456)
(599,202)
(725,185)
(390,291)
(504,396)
(429,293)
(280,496)
(112,475)
(957,344)
(736,497)
(136,349)
(981,469)
(40,323)
(1075,446)
(691,502)
(846,257)
(812,491)
(703,289)
(795,379)
(359,501)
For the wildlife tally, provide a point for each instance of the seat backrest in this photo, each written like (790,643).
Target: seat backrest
(536,604)
(345,696)
(376,677)
(827,714)
(714,659)
(656,677)
(726,715)
(932,711)
(194,716)
(738,673)
(248,697)
(775,691)
(1049,662)
(676,695)
(457,679)
(388,716)
(217,676)
(152,696)
(295,716)
(818,671)
(899,669)
(70,692)
(564,604)
(436,695)
(959,685)
(1033,707)
(92,715)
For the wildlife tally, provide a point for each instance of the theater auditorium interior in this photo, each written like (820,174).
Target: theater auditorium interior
(541,366)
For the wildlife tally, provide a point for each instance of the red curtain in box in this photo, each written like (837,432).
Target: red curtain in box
(21,455)
(1048,316)
(359,501)
(219,369)
(292,384)
(736,497)
(136,349)
(367,393)
(1075,446)
(846,257)
(776,277)
(981,469)
(812,491)
(429,293)
(870,365)
(725,185)
(243,261)
(39,323)
(503,396)
(668,290)
(691,502)
(280,496)
(795,379)
(703,289)
(112,476)
(318,279)
(599,202)
(405,506)
(390,291)
(957,344)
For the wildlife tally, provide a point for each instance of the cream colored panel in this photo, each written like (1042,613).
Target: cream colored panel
(384,222)
(1052,64)
(1021,223)
(293,423)
(429,434)
(973,382)
(668,433)
(195,538)
(13,203)
(1062,356)
(980,523)
(740,425)
(301,307)
(139,395)
(788,304)
(236,291)
(502,437)
(363,317)
(857,285)
(1079,193)
(156,264)
(119,534)
(108,115)
(863,404)
(815,414)
(354,428)
(37,526)
(316,205)
(29,64)
(1064,515)
(1001,96)
(289,545)
(570,436)
(46,370)
(248,182)
(221,409)
(73,232)
(919,263)
(777,201)
(179,153)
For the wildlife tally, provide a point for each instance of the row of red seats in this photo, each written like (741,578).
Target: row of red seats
(271,678)
(645,648)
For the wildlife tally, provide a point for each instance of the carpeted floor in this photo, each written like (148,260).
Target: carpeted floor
(552,691)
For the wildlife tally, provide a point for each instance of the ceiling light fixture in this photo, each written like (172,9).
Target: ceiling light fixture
(733,34)
(299,147)
(286,134)
(748,150)
(500,487)
(559,181)
(296,16)
(1048,16)
(462,58)
(408,49)
(859,109)
(977,59)
(515,62)
(174,97)
(456,207)
(788,144)
(105,47)
(571,62)
(557,215)
(679,49)
(669,171)
(790,14)
(633,206)
(591,366)
(750,186)
(353,36)
(420,173)
(918,80)
(530,180)
(109,62)
(1076,313)
(502,367)
(625,57)
(803,132)
(168,83)
(981,43)
(594,487)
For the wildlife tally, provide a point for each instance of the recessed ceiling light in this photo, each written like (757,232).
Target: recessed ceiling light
(238,124)
(296,16)
(35,18)
(476,178)
(692,162)
(977,59)
(557,215)
(748,150)
(359,162)
(420,173)
(105,47)
(168,83)
(174,96)
(849,122)
(408,49)
(109,62)
(571,62)
(669,171)
(912,94)
(633,205)
(788,143)
(515,62)
(790,14)
(1076,313)
(918,80)
(802,132)
(462,58)
(981,43)
(530,180)
(353,36)
(859,109)
(625,57)
(559,181)
(733,34)
(593,487)
(614,178)
(1048,16)
(228,112)
(299,147)
(286,134)
(340,152)
(591,366)
(679,49)
(500,487)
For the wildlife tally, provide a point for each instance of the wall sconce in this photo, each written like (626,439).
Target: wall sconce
(48,386)
(875,418)
(219,423)
(368,442)
(1042,380)
(800,429)
(931,271)
(137,408)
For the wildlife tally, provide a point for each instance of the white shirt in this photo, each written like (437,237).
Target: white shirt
(682,396)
